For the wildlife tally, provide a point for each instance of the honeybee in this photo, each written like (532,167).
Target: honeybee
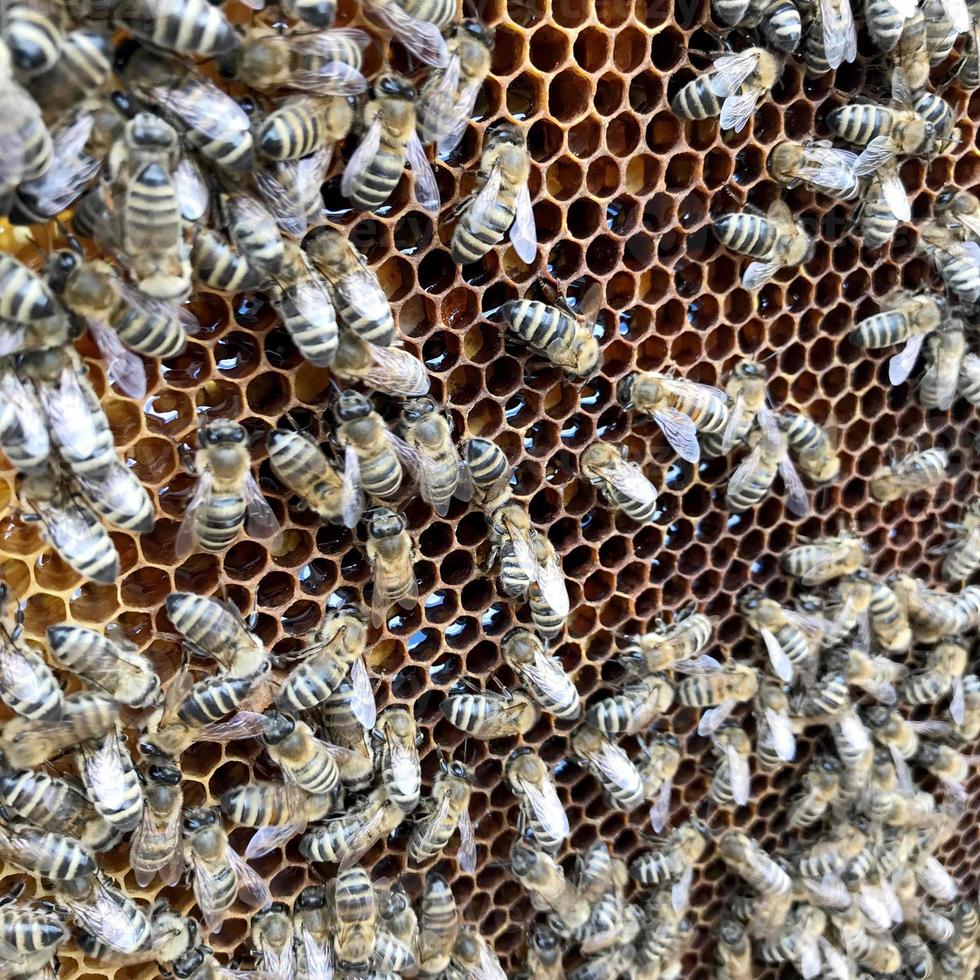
(27,142)
(104,911)
(751,863)
(754,476)
(669,646)
(792,640)
(355,915)
(541,809)
(303,758)
(823,559)
(563,336)
(817,165)
(227,497)
(661,759)
(635,708)
(933,614)
(418,25)
(299,463)
(447,98)
(680,408)
(388,369)
(31,936)
(438,925)
(673,860)
(621,483)
(27,743)
(215,630)
(33,318)
(220,875)
(544,954)
(291,189)
(354,289)
(398,757)
(111,781)
(511,538)
(490,715)
(156,842)
(442,475)
(193,27)
(303,124)
(547,592)
(908,317)
(733,952)
(447,811)
(548,887)
(150,224)
(371,455)
(24,434)
(820,783)
(544,677)
(392,555)
(336,649)
(488,468)
(217,264)
(312,930)
(389,142)
(611,767)
(730,782)
(916,471)
(474,957)
(967,725)
(732,88)
(775,240)
(942,675)
(959,210)
(346,838)
(944,357)
(113,664)
(746,391)
(27,684)
(56,805)
(719,690)
(776,743)
(949,766)
(300,297)
(319,63)
(253,231)
(272,940)
(963,552)
(957,262)
(884,206)
(502,201)
(875,675)
(813,446)
(885,131)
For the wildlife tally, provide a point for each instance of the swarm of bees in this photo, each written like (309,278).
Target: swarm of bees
(170,146)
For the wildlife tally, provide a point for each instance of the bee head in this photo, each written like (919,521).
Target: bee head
(670,740)
(353,405)
(877,716)
(311,897)
(396,902)
(523,857)
(460,771)
(184,966)
(59,266)
(278,727)
(928,753)
(945,199)
(417,408)
(504,134)
(750,369)
(198,817)
(384,523)
(624,391)
(750,599)
(223,430)
(478,31)
(147,130)
(276,908)
(394,87)
(167,775)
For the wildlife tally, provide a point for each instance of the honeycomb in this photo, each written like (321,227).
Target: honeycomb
(623,194)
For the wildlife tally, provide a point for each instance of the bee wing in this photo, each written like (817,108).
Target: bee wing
(351,492)
(464,482)
(464,109)
(71,168)
(426,188)
(551,581)
(17,672)
(828,891)
(544,802)
(105,776)
(797,499)
(839,32)
(404,762)
(251,888)
(809,958)
(737,110)
(816,574)
(363,705)
(869,901)
(204,108)
(434,821)
(679,430)
(423,39)
(124,368)
(745,472)
(957,704)
(260,521)
(715,717)
(319,957)
(697,665)
(738,771)
(874,156)
(466,855)
(893,191)
(362,835)
(411,459)
(330,78)
(283,197)
(187,532)
(18,108)
(121,492)
(441,98)
(781,665)
(629,480)
(829,167)
(547,676)
(957,14)
(759,273)
(241,725)
(366,151)
(151,840)
(69,414)
(732,425)
(523,232)
(660,810)
(388,588)
(107,917)
(680,892)
(836,963)
(615,766)
(489,967)
(523,551)
(902,771)
(936,880)
(730,71)
(783,739)
(27,415)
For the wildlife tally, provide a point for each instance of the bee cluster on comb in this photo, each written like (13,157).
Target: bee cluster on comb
(428,550)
